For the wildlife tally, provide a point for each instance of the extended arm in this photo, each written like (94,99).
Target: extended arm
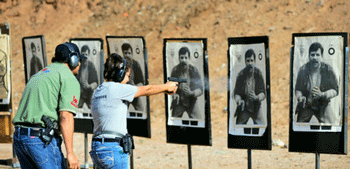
(169,87)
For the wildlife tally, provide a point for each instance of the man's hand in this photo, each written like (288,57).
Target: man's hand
(316,93)
(302,99)
(241,103)
(93,86)
(73,161)
(187,91)
(253,96)
(176,97)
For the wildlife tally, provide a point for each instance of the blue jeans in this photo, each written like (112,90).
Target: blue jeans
(32,153)
(109,155)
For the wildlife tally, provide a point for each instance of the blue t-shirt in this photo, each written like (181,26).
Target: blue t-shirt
(109,107)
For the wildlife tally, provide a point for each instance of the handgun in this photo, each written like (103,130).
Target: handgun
(127,143)
(48,133)
(179,80)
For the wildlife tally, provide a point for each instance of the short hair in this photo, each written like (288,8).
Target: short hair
(249,53)
(314,47)
(112,63)
(183,51)
(85,48)
(32,45)
(126,46)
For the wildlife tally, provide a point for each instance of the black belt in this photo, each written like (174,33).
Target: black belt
(31,131)
(25,124)
(117,139)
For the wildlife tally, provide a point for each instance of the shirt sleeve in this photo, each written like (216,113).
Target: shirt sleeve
(138,75)
(123,91)
(239,85)
(331,82)
(300,83)
(197,79)
(69,94)
(260,84)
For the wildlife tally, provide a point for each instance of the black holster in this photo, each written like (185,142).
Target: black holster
(48,133)
(127,143)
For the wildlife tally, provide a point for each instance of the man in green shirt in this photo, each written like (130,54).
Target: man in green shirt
(53,92)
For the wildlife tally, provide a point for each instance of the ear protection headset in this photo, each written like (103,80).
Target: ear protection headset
(119,72)
(73,57)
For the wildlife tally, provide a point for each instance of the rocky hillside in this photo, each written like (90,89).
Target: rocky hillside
(60,20)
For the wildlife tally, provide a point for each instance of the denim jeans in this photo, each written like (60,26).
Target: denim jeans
(109,155)
(32,152)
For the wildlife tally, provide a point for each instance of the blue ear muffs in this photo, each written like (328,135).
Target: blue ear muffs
(73,58)
(120,72)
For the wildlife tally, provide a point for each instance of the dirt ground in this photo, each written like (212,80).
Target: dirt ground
(217,20)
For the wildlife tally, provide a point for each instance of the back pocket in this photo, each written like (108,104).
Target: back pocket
(103,159)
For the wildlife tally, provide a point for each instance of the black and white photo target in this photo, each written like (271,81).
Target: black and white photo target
(248,89)
(34,55)
(5,78)
(185,61)
(249,118)
(188,110)
(318,93)
(90,72)
(317,77)
(133,49)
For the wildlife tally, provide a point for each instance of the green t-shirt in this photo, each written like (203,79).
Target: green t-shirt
(51,90)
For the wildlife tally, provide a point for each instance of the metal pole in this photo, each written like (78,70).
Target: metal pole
(189,156)
(249,158)
(86,150)
(15,162)
(13,148)
(131,159)
(317,160)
